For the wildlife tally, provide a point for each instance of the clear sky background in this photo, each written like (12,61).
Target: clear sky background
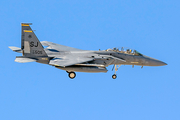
(33,91)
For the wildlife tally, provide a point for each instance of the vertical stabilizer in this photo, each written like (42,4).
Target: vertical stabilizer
(24,26)
(31,46)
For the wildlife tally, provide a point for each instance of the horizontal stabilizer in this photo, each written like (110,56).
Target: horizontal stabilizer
(24,60)
(15,49)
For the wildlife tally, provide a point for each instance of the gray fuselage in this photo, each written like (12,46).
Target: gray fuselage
(107,58)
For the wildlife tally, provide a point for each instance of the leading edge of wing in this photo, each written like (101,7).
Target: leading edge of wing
(68,61)
(59,47)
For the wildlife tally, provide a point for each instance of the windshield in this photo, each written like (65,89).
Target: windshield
(126,51)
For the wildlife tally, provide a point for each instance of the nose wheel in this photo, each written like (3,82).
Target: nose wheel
(114,76)
(72,75)
(115,67)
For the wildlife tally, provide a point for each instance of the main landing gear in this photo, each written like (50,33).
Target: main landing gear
(71,75)
(116,69)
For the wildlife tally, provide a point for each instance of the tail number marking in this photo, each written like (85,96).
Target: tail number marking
(37,52)
(32,44)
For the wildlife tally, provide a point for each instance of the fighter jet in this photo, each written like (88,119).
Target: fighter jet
(76,60)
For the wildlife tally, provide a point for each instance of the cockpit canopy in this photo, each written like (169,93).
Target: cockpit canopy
(126,51)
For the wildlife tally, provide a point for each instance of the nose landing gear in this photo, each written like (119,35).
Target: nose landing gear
(114,76)
(116,69)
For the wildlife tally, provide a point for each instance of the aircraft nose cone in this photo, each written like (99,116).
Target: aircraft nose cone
(157,63)
(160,63)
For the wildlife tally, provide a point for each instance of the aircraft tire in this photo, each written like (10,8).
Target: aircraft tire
(72,75)
(114,76)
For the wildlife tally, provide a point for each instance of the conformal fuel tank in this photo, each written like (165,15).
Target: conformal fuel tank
(89,69)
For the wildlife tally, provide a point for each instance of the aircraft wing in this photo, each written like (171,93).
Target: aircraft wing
(58,46)
(68,61)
